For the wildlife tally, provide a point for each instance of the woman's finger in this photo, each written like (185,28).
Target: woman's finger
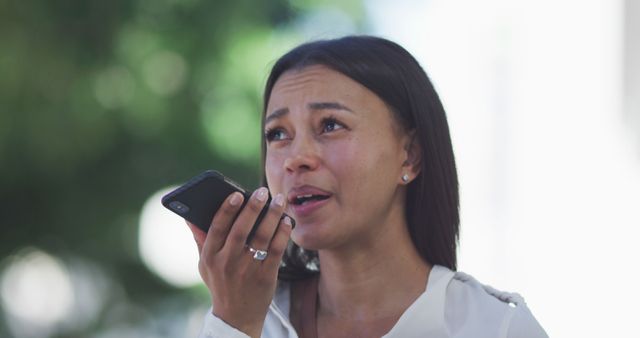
(268,225)
(237,237)
(221,223)
(279,243)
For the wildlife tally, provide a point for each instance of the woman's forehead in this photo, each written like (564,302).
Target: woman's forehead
(316,75)
(317,83)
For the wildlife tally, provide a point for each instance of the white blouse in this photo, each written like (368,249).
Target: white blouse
(454,304)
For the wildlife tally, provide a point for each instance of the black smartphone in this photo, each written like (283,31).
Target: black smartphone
(198,200)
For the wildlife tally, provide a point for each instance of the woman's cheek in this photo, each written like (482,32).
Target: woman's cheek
(273,170)
(343,157)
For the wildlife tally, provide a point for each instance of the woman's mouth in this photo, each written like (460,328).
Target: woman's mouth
(305,200)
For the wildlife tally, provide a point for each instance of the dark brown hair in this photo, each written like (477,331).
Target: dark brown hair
(389,71)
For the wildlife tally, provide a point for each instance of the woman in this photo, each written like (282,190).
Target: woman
(357,150)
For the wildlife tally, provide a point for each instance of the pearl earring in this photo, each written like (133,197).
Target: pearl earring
(405,178)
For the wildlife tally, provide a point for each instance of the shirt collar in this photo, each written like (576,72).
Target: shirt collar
(425,317)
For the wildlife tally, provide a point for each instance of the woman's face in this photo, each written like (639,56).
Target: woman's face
(334,150)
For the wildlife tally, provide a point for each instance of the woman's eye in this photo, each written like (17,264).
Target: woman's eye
(331,124)
(274,134)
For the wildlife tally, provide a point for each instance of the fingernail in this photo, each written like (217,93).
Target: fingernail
(279,200)
(235,199)
(287,221)
(262,194)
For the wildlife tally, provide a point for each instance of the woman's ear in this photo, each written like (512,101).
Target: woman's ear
(413,157)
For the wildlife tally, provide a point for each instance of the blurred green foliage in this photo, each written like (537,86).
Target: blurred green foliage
(102,103)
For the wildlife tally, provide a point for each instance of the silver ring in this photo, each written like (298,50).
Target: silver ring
(258,255)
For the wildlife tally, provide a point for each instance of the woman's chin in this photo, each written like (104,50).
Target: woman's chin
(308,239)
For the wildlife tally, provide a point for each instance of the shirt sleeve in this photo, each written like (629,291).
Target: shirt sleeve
(215,327)
(524,325)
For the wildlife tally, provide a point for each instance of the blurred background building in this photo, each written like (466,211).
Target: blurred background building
(104,105)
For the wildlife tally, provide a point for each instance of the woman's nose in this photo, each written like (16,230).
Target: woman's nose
(303,156)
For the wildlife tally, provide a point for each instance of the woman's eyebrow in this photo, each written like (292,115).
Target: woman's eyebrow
(278,113)
(328,105)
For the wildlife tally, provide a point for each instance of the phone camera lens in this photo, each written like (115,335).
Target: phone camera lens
(179,207)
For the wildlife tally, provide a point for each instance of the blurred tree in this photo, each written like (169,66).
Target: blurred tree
(104,102)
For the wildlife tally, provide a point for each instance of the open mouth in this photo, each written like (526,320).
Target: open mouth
(304,199)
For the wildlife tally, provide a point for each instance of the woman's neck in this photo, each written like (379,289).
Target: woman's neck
(375,278)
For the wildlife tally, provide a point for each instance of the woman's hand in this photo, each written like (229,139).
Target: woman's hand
(241,286)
